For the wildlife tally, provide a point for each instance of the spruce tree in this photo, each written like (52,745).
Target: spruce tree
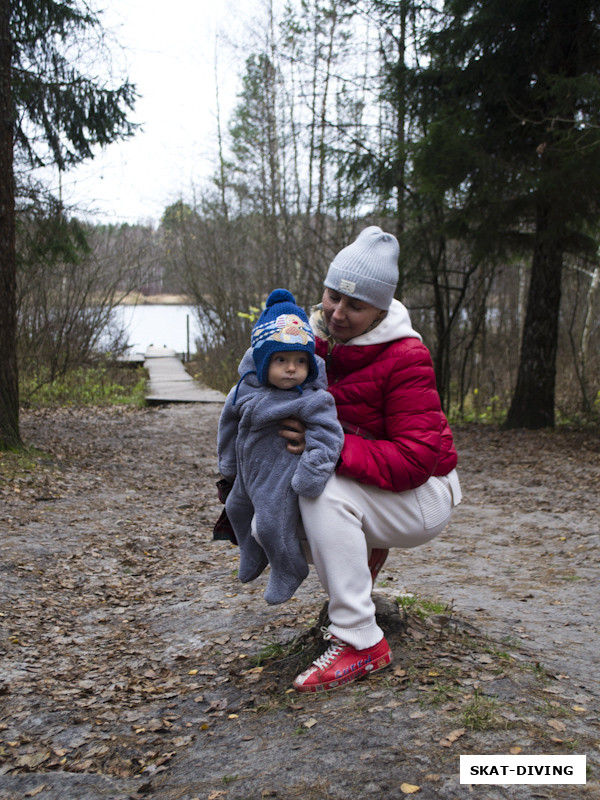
(510,102)
(51,112)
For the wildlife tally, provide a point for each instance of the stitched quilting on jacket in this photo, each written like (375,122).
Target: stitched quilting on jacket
(387,401)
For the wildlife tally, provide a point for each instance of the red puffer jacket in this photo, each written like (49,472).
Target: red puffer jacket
(387,401)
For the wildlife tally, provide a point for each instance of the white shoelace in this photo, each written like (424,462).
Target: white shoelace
(332,652)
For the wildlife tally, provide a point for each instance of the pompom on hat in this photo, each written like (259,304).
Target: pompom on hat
(367,269)
(282,326)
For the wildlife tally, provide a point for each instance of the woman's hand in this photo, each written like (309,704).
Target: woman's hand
(293,430)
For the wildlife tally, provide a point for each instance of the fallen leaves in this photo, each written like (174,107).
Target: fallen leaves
(409,788)
(32,760)
(557,725)
(452,737)
(127,640)
(36,791)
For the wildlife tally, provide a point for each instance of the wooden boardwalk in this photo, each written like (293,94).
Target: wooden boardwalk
(170,383)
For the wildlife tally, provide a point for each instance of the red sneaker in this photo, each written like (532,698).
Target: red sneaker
(341,663)
(376,561)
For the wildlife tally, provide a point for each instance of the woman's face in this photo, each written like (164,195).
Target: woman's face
(347,317)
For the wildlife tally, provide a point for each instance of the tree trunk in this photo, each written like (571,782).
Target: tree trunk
(9,386)
(533,401)
(585,337)
(401,125)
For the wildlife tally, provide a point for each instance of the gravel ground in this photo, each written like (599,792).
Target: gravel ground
(134,664)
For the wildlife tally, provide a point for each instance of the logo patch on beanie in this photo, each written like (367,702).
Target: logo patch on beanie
(290,330)
(347,287)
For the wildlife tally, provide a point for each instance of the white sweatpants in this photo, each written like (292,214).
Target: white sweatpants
(347,521)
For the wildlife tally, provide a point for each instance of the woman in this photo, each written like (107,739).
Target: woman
(395,483)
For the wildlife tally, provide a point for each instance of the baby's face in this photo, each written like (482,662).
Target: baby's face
(288,368)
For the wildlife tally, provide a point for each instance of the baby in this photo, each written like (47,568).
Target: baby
(280,377)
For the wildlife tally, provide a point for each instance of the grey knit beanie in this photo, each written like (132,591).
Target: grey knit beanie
(367,269)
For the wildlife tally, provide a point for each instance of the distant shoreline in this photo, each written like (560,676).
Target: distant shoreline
(139,299)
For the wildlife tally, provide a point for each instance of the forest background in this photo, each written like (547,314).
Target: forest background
(470,131)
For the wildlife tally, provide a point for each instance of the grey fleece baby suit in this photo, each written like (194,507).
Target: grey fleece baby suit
(267,479)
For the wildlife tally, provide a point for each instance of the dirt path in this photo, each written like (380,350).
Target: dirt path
(133,663)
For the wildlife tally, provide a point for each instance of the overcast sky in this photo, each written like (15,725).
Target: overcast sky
(169,50)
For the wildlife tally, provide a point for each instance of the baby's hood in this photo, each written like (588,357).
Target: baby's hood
(247,368)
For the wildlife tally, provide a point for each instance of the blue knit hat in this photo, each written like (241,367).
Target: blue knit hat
(282,326)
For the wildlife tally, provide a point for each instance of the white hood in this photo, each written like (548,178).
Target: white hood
(396,325)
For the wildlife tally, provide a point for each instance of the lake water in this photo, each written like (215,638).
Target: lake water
(159,325)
